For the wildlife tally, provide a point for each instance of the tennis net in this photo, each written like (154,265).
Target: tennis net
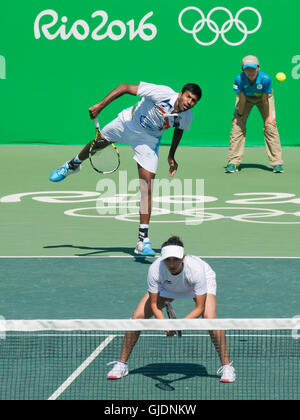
(67,359)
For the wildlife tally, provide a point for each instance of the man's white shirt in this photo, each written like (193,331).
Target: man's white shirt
(196,278)
(148,114)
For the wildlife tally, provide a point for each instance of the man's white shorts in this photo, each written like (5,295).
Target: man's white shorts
(144,145)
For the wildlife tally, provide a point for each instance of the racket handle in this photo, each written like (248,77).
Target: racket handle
(96,122)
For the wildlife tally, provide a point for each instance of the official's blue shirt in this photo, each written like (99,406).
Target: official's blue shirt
(261,85)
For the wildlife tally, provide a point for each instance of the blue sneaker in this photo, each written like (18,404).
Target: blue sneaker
(144,249)
(62,172)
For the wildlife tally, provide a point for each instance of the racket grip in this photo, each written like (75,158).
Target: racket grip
(96,122)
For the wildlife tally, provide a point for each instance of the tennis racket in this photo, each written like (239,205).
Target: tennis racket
(172,315)
(104,156)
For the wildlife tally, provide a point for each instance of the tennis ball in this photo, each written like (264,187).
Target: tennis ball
(280,77)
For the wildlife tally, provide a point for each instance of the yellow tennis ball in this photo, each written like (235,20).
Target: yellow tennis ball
(280,77)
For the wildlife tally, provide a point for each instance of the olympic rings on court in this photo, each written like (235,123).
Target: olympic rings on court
(183,208)
(226,27)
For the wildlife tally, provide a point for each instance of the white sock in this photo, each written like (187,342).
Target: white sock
(77,160)
(143,232)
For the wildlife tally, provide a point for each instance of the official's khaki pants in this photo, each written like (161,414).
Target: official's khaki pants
(238,132)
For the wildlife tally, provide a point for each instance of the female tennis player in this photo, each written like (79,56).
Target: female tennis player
(142,126)
(177,276)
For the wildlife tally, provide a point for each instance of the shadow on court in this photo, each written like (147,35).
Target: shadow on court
(94,251)
(255,166)
(186,371)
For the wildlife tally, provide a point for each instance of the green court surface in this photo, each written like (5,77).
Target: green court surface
(71,288)
(61,258)
(250,213)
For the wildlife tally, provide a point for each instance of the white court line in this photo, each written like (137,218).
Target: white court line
(162,335)
(81,368)
(138,256)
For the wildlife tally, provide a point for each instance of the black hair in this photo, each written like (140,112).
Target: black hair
(173,240)
(193,88)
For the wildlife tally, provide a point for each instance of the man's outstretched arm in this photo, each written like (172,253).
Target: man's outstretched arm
(171,158)
(114,94)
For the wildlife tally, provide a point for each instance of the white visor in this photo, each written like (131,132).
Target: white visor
(174,251)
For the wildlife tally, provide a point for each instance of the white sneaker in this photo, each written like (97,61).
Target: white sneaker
(144,248)
(119,370)
(228,373)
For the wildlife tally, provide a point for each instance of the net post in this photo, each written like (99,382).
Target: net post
(296,328)
(2,328)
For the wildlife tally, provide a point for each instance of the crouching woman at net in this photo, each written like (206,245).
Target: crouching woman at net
(177,276)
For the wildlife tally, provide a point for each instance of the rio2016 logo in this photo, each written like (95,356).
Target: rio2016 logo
(201,20)
(80,29)
(117,29)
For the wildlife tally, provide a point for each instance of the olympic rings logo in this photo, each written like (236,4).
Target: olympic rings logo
(226,27)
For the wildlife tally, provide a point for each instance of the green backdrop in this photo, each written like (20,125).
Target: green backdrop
(47,85)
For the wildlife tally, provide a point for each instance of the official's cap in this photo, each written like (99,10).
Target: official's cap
(174,251)
(250,61)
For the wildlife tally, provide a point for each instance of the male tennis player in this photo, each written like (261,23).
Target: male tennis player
(142,126)
(253,88)
(177,276)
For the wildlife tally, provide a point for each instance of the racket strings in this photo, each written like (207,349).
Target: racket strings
(100,137)
(104,157)
(99,144)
